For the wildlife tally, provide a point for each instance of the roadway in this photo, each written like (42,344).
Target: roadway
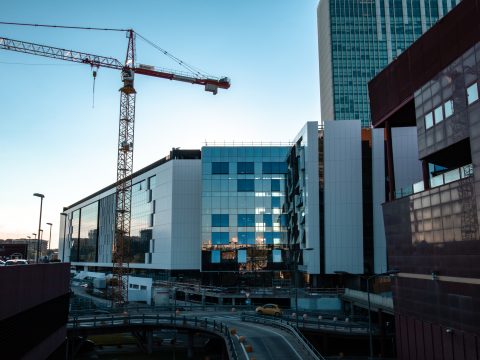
(250,340)
(266,342)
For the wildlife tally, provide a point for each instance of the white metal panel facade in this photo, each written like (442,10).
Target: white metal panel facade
(343,197)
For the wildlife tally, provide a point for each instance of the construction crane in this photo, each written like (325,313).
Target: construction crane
(128,70)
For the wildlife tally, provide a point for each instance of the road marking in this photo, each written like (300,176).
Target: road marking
(243,347)
(284,339)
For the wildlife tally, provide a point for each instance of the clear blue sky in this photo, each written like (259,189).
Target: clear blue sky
(55,143)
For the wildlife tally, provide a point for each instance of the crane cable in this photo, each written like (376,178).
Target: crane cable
(192,69)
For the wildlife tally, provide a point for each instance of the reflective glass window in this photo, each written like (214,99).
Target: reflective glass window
(277,255)
(220,168)
(448,107)
(88,233)
(220,238)
(245,185)
(141,222)
(472,93)
(272,238)
(275,202)
(267,219)
(428,120)
(220,220)
(242,256)
(246,238)
(215,257)
(245,168)
(75,235)
(152,182)
(274,167)
(275,185)
(246,220)
(438,114)
(283,220)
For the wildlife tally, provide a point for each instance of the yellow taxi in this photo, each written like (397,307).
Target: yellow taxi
(269,309)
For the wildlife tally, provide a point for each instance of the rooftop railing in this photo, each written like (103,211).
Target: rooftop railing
(438,180)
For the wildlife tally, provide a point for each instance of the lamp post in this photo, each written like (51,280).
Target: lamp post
(296,254)
(64,235)
(386,273)
(370,338)
(50,236)
(41,196)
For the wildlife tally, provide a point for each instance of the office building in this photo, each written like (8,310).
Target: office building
(357,39)
(165,221)
(432,227)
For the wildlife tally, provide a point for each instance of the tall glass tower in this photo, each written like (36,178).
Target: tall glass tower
(357,39)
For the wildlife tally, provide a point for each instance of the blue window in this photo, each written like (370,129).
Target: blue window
(283,220)
(220,220)
(277,255)
(267,219)
(220,238)
(246,220)
(272,238)
(275,202)
(245,185)
(274,167)
(245,168)
(215,257)
(246,238)
(275,185)
(220,168)
(242,256)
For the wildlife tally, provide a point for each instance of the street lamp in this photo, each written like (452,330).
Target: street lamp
(41,196)
(386,273)
(50,236)
(64,235)
(296,254)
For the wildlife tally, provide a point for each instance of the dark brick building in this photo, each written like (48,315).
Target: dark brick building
(432,229)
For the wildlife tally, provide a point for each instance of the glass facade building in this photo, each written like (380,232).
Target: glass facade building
(357,39)
(85,223)
(244,224)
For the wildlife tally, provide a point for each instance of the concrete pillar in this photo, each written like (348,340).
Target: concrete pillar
(149,336)
(190,346)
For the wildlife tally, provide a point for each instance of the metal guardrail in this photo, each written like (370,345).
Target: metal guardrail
(156,319)
(286,325)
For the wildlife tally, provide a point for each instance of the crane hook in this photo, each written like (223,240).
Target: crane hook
(94,73)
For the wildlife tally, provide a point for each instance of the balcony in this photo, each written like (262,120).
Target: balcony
(436,181)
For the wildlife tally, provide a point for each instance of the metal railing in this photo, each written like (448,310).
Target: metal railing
(76,323)
(289,327)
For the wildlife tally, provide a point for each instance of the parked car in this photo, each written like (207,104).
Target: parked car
(16,262)
(2,263)
(269,309)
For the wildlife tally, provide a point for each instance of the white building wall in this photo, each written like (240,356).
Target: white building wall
(378,198)
(176,225)
(176,230)
(311,258)
(343,197)
(162,245)
(186,211)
